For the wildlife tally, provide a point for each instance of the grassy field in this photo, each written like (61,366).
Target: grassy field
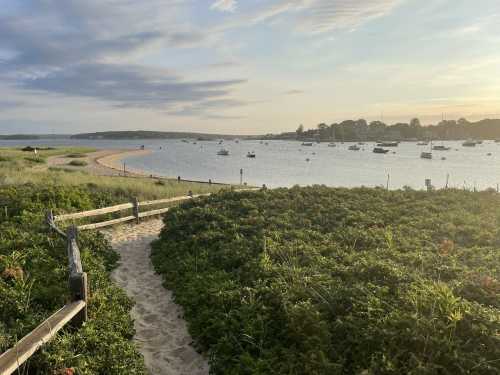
(339,281)
(19,168)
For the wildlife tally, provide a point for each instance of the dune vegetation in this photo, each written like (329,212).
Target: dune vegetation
(33,263)
(17,168)
(336,281)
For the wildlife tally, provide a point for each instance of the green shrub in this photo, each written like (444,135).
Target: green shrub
(35,159)
(33,285)
(336,281)
(76,155)
(78,163)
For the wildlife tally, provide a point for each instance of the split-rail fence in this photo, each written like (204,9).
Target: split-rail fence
(75,312)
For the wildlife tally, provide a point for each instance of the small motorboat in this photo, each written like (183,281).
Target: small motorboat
(307,143)
(332,144)
(426,155)
(223,152)
(361,143)
(354,148)
(251,155)
(388,144)
(469,143)
(380,150)
(441,148)
(423,144)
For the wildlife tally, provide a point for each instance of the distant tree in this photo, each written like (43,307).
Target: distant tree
(415,123)
(300,130)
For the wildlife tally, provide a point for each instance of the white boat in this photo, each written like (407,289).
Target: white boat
(426,155)
(223,152)
(332,144)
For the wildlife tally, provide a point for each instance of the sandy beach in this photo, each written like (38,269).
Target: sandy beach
(108,162)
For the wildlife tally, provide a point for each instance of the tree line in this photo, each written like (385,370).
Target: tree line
(361,130)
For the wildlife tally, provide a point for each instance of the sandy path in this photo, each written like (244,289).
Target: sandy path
(161,333)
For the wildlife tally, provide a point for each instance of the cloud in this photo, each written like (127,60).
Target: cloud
(127,85)
(294,92)
(319,16)
(205,108)
(9,104)
(224,5)
(87,49)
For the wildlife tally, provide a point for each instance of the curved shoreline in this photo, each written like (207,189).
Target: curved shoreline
(114,161)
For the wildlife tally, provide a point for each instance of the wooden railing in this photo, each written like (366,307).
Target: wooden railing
(75,311)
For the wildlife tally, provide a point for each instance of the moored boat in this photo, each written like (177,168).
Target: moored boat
(423,143)
(332,144)
(380,150)
(426,155)
(223,152)
(388,144)
(469,143)
(307,143)
(251,154)
(441,148)
(354,148)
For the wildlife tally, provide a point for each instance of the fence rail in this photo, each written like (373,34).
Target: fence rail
(74,312)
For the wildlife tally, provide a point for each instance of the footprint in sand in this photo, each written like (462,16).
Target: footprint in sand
(161,333)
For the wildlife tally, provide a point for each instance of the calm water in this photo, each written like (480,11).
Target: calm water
(283,163)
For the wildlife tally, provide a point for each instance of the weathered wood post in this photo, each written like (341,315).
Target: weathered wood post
(78,283)
(135,209)
(428,184)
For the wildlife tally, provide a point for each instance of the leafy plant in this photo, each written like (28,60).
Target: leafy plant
(336,281)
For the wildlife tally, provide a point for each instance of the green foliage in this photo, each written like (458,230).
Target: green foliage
(33,284)
(76,155)
(336,281)
(35,159)
(78,163)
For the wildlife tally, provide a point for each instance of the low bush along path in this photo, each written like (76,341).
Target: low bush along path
(161,333)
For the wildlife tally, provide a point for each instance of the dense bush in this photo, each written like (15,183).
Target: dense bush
(336,281)
(76,155)
(33,284)
(78,163)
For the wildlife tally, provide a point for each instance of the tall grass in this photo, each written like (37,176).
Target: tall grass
(16,170)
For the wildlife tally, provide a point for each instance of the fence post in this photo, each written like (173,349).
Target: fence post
(79,292)
(78,283)
(135,202)
(50,217)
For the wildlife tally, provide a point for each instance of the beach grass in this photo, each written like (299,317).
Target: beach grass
(16,170)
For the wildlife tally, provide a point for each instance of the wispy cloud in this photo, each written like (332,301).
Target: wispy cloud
(319,16)
(294,92)
(224,5)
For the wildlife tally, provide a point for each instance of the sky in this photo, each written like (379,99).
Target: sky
(244,66)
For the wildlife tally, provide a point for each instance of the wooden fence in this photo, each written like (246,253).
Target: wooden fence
(74,312)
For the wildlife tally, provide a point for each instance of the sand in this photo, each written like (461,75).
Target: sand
(102,162)
(161,333)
